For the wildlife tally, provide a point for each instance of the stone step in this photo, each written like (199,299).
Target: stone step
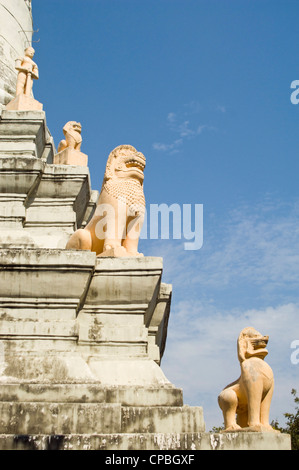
(20,145)
(154,442)
(82,418)
(27,327)
(59,418)
(26,133)
(18,175)
(148,419)
(32,123)
(91,393)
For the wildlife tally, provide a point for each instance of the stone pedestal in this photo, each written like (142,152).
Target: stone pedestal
(25,134)
(75,356)
(24,103)
(70,156)
(88,317)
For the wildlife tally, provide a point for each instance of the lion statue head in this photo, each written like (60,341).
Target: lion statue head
(125,162)
(74,129)
(72,132)
(251,344)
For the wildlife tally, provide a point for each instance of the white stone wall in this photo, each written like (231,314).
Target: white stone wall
(15,35)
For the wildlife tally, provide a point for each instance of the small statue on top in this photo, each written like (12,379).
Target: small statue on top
(28,70)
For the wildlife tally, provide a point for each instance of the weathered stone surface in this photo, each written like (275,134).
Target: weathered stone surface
(162,395)
(155,442)
(122,294)
(66,315)
(88,418)
(44,274)
(147,419)
(25,133)
(70,157)
(75,346)
(157,323)
(18,176)
(59,418)
(246,441)
(125,285)
(89,392)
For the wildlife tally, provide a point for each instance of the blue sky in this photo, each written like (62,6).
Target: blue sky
(202,88)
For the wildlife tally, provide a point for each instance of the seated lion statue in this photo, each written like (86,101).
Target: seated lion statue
(115,227)
(72,133)
(245,403)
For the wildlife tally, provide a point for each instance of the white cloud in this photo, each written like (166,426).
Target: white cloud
(171,117)
(221,108)
(200,129)
(171,148)
(178,124)
(252,247)
(184,130)
(193,107)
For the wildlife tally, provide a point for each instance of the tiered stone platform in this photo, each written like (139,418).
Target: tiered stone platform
(81,337)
